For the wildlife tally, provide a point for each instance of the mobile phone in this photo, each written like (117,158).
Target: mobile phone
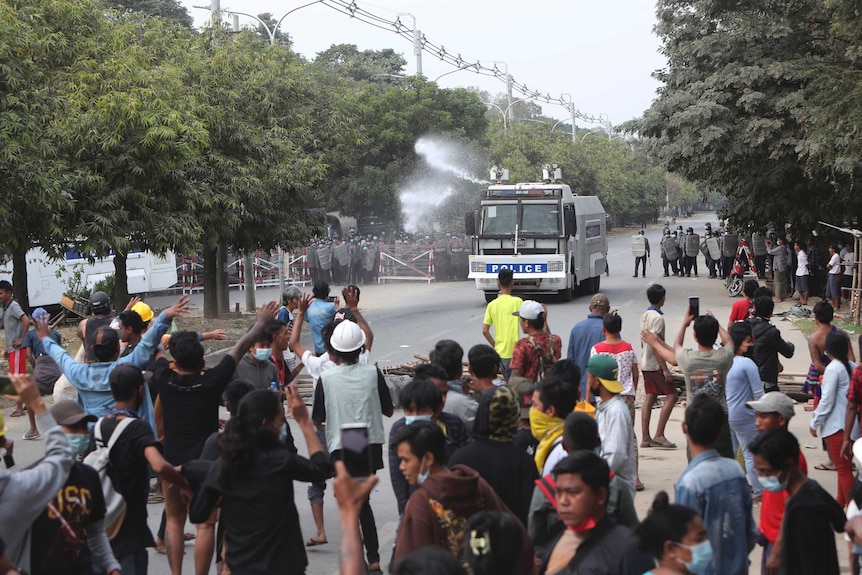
(6,387)
(331,298)
(8,460)
(356,449)
(694,306)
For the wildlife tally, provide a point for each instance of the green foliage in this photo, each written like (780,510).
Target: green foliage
(170,10)
(365,66)
(761,103)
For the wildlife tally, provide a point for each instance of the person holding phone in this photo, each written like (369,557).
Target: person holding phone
(253,478)
(320,312)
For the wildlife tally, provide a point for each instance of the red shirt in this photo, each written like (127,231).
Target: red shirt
(772,507)
(740,310)
(854,394)
(525,358)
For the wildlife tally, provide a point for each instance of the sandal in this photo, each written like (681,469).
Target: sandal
(32,436)
(17,413)
(155,498)
(315,542)
(824,467)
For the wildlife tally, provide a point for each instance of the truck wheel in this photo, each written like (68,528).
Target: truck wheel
(490,296)
(734,287)
(597,284)
(565,295)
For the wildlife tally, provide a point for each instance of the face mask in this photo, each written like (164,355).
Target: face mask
(282,433)
(701,556)
(262,353)
(79,443)
(772,483)
(408,419)
(541,423)
(420,479)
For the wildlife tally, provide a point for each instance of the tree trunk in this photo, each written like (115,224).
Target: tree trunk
(19,278)
(222,288)
(248,280)
(121,282)
(211,303)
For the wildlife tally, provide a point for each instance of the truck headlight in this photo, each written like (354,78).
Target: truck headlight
(477,267)
(556,266)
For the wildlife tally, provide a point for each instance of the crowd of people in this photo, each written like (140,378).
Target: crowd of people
(525,462)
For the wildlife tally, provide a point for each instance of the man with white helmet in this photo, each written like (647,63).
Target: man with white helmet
(354,393)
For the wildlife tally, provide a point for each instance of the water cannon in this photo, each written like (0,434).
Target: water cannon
(499,175)
(551,173)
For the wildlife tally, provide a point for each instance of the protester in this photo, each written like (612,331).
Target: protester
(585,334)
(254,480)
(773,411)
(592,541)
(743,309)
(743,387)
(449,355)
(614,419)
(716,488)
(780,265)
(351,496)
(657,377)
(100,306)
(581,433)
(627,373)
(811,515)
(289,304)
(16,324)
(802,272)
(833,281)
(508,470)
(24,494)
(829,416)
(255,365)
(68,538)
(499,314)
(93,380)
(46,372)
(350,393)
(278,332)
(319,313)
(190,400)
(494,543)
(854,401)
(553,399)
(445,499)
(422,400)
(483,363)
(705,368)
(676,537)
(767,343)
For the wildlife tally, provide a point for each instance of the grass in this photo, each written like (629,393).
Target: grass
(808,326)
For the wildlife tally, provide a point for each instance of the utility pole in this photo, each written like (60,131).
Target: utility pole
(215,8)
(417,42)
(509,94)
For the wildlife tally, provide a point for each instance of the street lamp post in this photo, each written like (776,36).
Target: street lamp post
(505,112)
(215,6)
(458,69)
(508,84)
(417,42)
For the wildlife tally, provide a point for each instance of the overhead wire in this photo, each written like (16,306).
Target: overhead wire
(353,10)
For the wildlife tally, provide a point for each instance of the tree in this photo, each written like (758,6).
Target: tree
(132,130)
(760,103)
(364,66)
(170,10)
(41,42)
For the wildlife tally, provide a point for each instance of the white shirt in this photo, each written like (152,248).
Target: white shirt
(835,262)
(802,263)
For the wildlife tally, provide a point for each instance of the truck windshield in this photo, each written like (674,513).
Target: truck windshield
(499,220)
(540,219)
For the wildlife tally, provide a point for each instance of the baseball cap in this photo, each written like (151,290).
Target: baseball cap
(143,310)
(107,339)
(68,412)
(773,402)
(100,302)
(605,368)
(600,300)
(529,310)
(126,372)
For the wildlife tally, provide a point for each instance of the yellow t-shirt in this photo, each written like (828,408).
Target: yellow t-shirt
(499,315)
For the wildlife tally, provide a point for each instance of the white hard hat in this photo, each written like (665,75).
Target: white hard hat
(346,337)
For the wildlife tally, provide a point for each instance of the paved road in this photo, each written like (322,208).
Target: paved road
(410,317)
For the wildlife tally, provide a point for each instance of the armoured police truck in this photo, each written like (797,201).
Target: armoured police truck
(554,241)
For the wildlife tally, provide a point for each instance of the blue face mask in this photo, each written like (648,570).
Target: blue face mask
(772,483)
(282,433)
(262,353)
(79,443)
(408,419)
(701,557)
(420,479)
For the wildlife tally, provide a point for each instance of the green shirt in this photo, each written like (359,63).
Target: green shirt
(499,314)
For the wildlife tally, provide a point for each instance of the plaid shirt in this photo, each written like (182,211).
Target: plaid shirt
(525,358)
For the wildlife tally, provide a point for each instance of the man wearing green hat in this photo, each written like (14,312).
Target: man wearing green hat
(613,418)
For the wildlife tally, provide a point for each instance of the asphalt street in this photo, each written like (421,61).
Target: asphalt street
(409,318)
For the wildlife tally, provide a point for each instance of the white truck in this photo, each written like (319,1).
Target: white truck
(554,241)
(48,279)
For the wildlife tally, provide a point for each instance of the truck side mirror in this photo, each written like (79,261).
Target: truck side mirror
(569,221)
(470,224)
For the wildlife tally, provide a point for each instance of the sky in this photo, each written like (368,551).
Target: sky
(601,52)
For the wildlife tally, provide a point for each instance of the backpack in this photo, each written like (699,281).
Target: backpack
(99,459)
(546,357)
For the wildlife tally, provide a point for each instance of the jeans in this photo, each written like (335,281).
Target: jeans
(504,367)
(741,434)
